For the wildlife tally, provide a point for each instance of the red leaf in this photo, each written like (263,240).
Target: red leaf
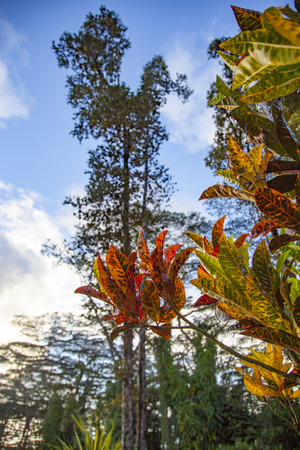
(143,248)
(263,227)
(286,384)
(160,240)
(215,251)
(138,281)
(178,262)
(91,292)
(205,300)
(217,231)
(121,317)
(207,246)
(169,254)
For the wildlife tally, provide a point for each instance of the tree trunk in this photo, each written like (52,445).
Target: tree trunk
(127,396)
(141,389)
(127,400)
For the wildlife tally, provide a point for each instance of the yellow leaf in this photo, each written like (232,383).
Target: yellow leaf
(296,394)
(261,390)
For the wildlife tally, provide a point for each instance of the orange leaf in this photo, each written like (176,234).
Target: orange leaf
(143,248)
(157,268)
(202,273)
(169,254)
(113,291)
(117,267)
(240,240)
(263,227)
(178,262)
(207,246)
(160,240)
(217,231)
(120,318)
(163,331)
(91,292)
(151,301)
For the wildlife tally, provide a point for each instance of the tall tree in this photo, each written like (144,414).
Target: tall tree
(127,186)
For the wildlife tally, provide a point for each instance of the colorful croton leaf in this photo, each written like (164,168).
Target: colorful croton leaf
(120,288)
(251,296)
(163,293)
(275,385)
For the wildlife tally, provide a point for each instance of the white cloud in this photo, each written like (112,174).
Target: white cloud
(191,124)
(14,100)
(30,283)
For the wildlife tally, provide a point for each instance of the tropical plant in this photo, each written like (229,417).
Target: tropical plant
(90,437)
(261,299)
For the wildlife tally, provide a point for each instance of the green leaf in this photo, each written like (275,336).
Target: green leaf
(244,251)
(265,272)
(195,238)
(281,260)
(212,265)
(273,85)
(243,168)
(232,263)
(277,337)
(278,208)
(266,49)
(223,191)
(281,240)
(287,11)
(285,135)
(247,19)
(263,309)
(227,175)
(283,183)
(286,28)
(216,100)
(224,292)
(229,60)
(223,87)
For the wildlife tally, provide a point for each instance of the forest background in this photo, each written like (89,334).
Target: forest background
(169,424)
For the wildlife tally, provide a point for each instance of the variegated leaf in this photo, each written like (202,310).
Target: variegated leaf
(208,247)
(217,231)
(205,300)
(224,191)
(232,263)
(285,135)
(116,331)
(265,272)
(117,264)
(278,208)
(143,248)
(230,60)
(262,228)
(281,240)
(169,254)
(240,240)
(273,85)
(223,87)
(113,291)
(196,238)
(243,168)
(281,166)
(178,262)
(286,28)
(91,292)
(156,266)
(160,240)
(273,336)
(151,301)
(164,331)
(296,311)
(247,19)
(212,265)
(286,384)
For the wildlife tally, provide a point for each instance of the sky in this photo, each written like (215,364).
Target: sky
(41,163)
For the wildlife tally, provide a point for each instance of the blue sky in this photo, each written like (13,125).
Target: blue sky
(41,163)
